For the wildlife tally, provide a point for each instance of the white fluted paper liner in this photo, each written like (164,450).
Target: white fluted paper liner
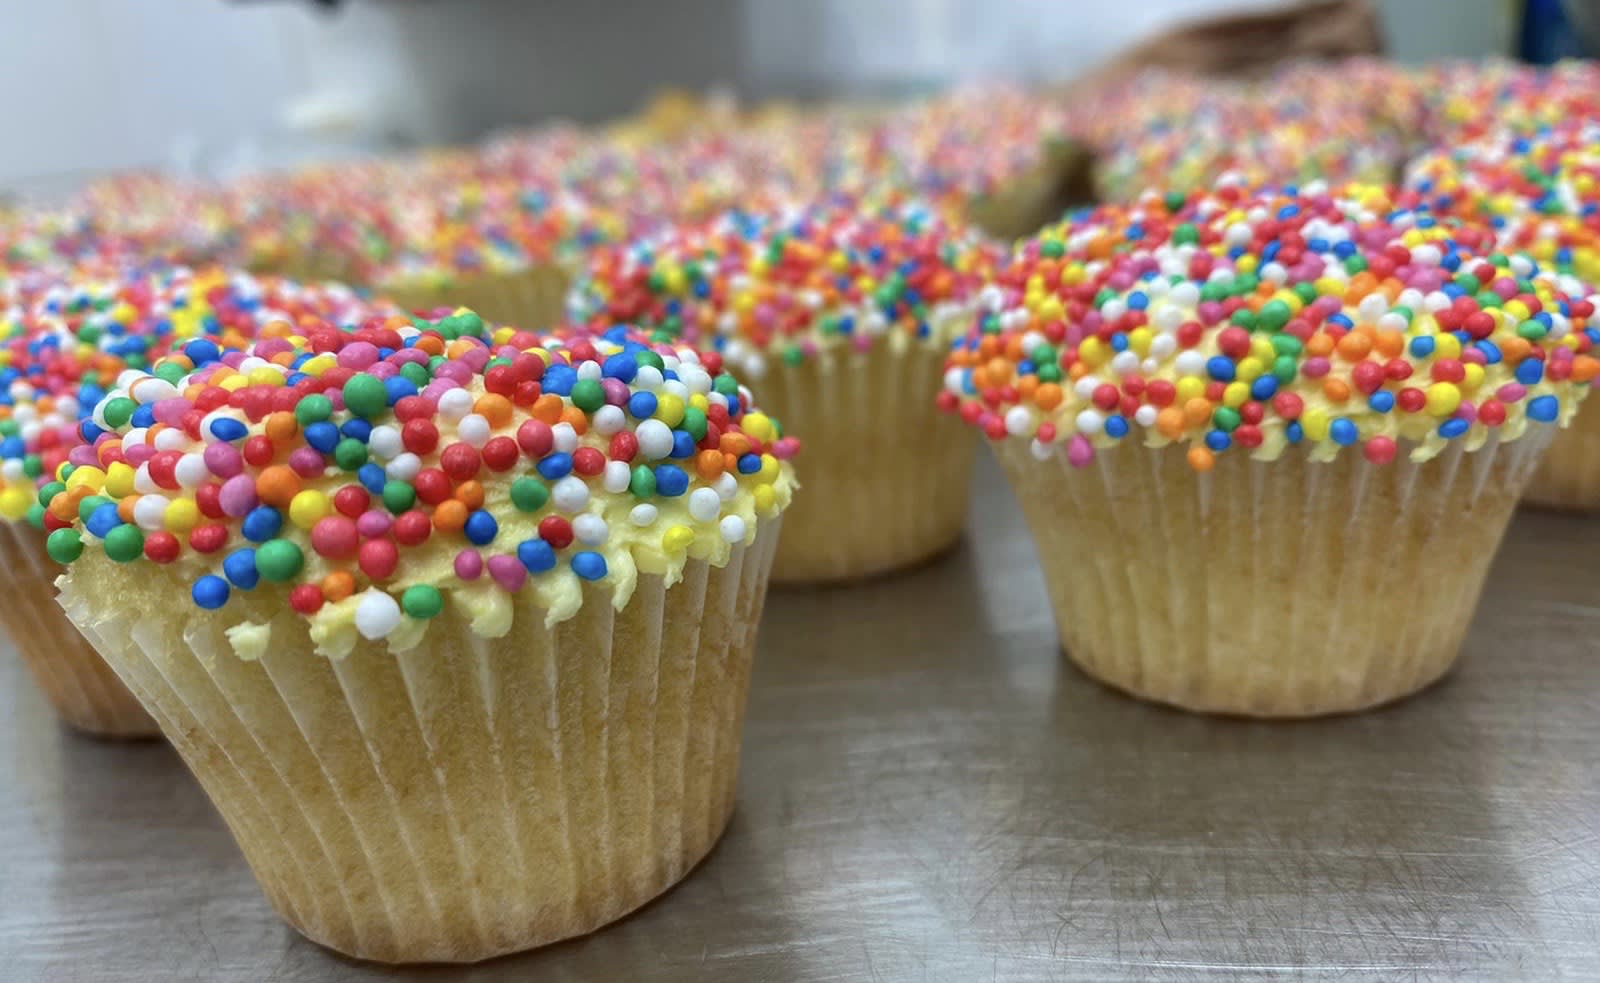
(1268,588)
(885,478)
(533,298)
(470,797)
(86,694)
(1568,476)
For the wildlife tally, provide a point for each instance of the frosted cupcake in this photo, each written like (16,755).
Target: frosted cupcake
(1538,187)
(1267,444)
(840,314)
(64,341)
(454,627)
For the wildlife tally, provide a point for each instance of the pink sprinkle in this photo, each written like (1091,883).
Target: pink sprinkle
(1511,392)
(224,460)
(373,523)
(508,572)
(1079,451)
(383,370)
(785,448)
(1209,312)
(358,355)
(238,494)
(474,360)
(137,454)
(469,564)
(1467,411)
(82,455)
(268,347)
(1315,367)
(1473,356)
(305,462)
(171,411)
(616,391)
(233,359)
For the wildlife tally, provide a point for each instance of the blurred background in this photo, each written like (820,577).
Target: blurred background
(215,88)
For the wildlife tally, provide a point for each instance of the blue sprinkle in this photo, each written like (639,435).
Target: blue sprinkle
(1264,388)
(102,520)
(1491,352)
(357,429)
(1530,371)
(1452,428)
(1343,432)
(372,478)
(261,524)
(322,436)
(559,379)
(536,554)
(749,464)
(621,366)
(1138,301)
(1116,426)
(1119,342)
(1294,432)
(13,447)
(481,528)
(682,444)
(228,429)
(1218,440)
(1545,409)
(1422,346)
(642,405)
(589,565)
(210,592)
(398,387)
(144,416)
(1220,368)
(1381,401)
(201,351)
(671,480)
(555,465)
(240,569)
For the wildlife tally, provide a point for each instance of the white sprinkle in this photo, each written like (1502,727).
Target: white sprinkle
(1145,416)
(1189,362)
(1372,306)
(588,370)
(1162,346)
(590,529)
(1125,363)
(648,378)
(727,486)
(191,470)
(570,494)
(404,467)
(609,420)
(732,528)
(454,404)
(148,510)
(616,477)
(704,504)
(473,429)
(171,440)
(564,438)
(1040,450)
(385,442)
(953,379)
(655,439)
(142,482)
(1085,387)
(377,614)
(1018,421)
(1090,422)
(642,515)
(695,379)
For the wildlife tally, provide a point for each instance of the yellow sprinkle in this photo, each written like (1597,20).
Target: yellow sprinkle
(1189,387)
(233,383)
(669,409)
(1139,341)
(1235,394)
(15,502)
(1261,350)
(1246,263)
(265,376)
(1446,346)
(307,507)
(1474,375)
(181,515)
(766,498)
(677,538)
(89,476)
(1051,309)
(769,470)
(1443,398)
(119,480)
(1250,368)
(1093,352)
(1315,423)
(757,425)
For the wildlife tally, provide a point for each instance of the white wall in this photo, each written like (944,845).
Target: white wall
(88,86)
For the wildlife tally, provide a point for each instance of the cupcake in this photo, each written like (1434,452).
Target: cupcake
(1538,187)
(840,314)
(64,341)
(1268,442)
(454,627)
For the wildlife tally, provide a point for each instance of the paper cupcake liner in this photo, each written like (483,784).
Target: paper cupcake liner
(533,298)
(1278,589)
(471,797)
(1568,476)
(86,694)
(885,480)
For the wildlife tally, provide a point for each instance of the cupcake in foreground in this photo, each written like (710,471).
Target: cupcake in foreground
(840,315)
(453,625)
(1267,443)
(1539,189)
(65,339)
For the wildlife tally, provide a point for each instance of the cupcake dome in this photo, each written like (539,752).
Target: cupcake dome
(371,473)
(1247,323)
(1210,406)
(840,314)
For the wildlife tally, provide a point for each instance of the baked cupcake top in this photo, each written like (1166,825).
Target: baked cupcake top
(840,274)
(370,474)
(1238,322)
(66,342)
(1539,192)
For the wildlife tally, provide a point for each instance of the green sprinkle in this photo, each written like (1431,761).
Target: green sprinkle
(725,384)
(87,506)
(50,491)
(278,560)
(119,411)
(1273,315)
(398,496)
(312,409)
(415,374)
(1225,418)
(350,454)
(643,482)
(169,372)
(64,546)
(649,358)
(588,395)
(33,465)
(421,601)
(1531,330)
(694,421)
(365,396)
(529,494)
(124,543)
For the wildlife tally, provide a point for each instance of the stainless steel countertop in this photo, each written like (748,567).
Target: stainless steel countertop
(931,793)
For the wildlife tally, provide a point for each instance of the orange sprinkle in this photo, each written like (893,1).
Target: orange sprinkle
(1354,346)
(495,408)
(1584,368)
(1169,423)
(709,464)
(1336,390)
(547,408)
(576,417)
(470,494)
(124,508)
(281,426)
(1390,343)
(1197,411)
(1319,344)
(1201,459)
(450,516)
(1048,396)
(338,585)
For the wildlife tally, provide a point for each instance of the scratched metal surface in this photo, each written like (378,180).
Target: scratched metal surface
(929,793)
